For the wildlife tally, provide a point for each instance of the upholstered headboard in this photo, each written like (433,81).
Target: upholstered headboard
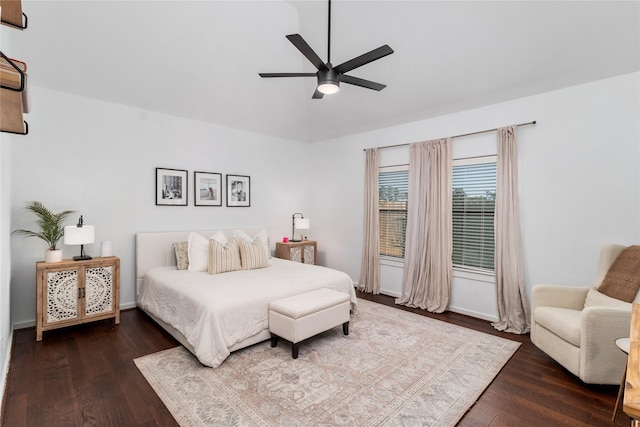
(156,249)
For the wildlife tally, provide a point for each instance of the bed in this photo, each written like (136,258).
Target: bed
(213,315)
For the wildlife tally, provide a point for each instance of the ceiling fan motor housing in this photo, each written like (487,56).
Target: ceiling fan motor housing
(328,76)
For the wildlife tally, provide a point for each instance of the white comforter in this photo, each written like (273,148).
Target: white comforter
(214,312)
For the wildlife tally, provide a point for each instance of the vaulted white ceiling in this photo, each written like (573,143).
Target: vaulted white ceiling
(201,59)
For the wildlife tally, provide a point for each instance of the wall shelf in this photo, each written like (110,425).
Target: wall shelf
(13,96)
(12,14)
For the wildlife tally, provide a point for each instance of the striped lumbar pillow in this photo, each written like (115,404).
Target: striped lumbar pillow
(252,254)
(223,258)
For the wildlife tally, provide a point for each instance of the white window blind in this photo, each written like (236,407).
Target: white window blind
(474,195)
(393,183)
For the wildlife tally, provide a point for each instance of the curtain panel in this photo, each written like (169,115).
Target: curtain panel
(427,273)
(513,309)
(370,266)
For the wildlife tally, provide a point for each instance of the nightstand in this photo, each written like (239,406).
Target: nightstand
(305,251)
(74,292)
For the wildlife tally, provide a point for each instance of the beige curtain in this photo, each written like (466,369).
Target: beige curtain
(513,310)
(426,281)
(370,267)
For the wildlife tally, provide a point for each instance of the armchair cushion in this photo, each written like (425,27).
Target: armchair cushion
(598,299)
(564,322)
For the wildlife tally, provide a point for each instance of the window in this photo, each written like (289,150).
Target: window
(393,183)
(474,196)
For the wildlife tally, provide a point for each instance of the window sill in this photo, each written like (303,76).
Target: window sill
(392,262)
(480,276)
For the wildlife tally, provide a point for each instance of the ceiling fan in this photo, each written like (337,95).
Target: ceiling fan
(329,77)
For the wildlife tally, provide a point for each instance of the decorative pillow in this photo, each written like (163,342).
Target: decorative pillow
(598,299)
(223,258)
(252,254)
(622,281)
(198,251)
(182,255)
(262,235)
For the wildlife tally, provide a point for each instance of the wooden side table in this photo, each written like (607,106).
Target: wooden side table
(305,251)
(623,344)
(74,292)
(631,401)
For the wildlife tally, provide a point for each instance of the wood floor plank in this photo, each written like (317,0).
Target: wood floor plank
(85,375)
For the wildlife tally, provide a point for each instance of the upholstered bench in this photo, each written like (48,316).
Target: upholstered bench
(299,317)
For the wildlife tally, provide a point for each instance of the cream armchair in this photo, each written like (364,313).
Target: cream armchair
(578,326)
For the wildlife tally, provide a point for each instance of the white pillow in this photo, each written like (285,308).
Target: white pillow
(262,235)
(198,251)
(220,237)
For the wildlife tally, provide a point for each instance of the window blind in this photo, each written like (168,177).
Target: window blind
(394,185)
(474,195)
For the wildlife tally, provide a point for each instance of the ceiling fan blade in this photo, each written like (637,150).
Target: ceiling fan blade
(361,60)
(317,94)
(287,74)
(306,50)
(362,82)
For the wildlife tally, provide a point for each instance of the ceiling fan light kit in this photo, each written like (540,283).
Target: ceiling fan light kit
(328,81)
(329,77)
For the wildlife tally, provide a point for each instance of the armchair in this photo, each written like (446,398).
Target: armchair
(578,326)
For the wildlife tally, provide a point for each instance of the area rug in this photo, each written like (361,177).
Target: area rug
(394,368)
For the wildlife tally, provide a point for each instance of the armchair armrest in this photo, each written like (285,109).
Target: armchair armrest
(600,358)
(555,296)
(558,296)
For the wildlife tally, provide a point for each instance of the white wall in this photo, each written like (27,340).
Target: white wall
(579,183)
(99,159)
(6,330)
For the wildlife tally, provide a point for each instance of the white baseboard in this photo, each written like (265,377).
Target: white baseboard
(23,325)
(5,369)
(32,323)
(476,314)
(459,310)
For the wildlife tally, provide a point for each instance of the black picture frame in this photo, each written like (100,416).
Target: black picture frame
(207,189)
(171,187)
(238,190)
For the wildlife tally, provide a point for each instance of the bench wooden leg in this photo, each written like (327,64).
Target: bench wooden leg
(345,328)
(294,349)
(274,340)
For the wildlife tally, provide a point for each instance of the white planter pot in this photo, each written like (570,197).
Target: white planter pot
(53,256)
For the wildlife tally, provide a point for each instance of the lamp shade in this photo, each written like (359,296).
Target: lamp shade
(302,223)
(74,235)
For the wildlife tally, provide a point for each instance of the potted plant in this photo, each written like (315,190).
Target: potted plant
(51,229)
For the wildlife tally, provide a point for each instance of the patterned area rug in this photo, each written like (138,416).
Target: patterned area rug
(394,368)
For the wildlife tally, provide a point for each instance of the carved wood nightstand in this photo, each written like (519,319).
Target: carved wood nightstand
(305,251)
(74,292)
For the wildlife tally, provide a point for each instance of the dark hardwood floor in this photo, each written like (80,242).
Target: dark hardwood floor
(85,376)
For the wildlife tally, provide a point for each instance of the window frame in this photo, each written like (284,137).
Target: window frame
(472,272)
(389,259)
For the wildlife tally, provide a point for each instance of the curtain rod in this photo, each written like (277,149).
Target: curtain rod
(457,136)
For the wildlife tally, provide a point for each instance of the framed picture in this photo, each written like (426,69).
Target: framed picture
(171,187)
(207,188)
(238,190)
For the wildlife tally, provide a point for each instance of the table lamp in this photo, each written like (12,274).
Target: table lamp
(79,234)
(301,223)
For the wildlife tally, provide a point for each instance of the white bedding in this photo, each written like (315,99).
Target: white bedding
(214,312)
